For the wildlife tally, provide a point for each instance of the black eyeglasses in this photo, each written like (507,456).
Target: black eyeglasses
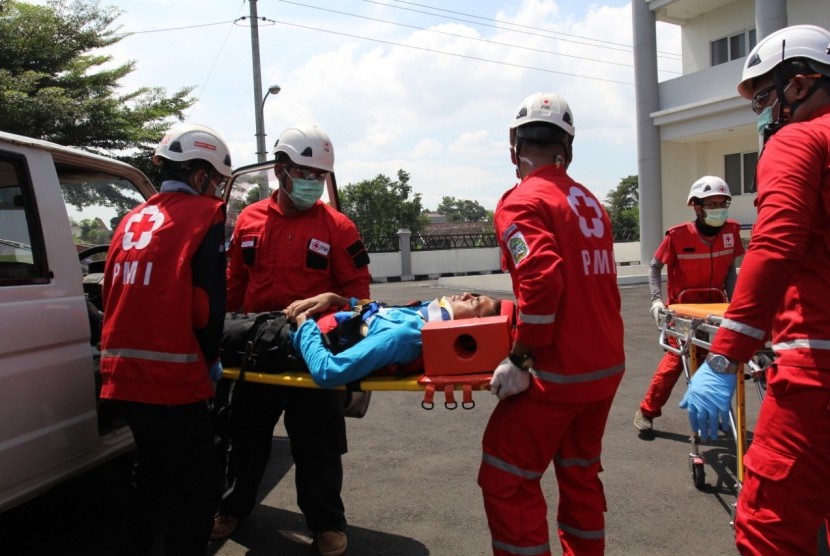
(761,99)
(219,182)
(306,173)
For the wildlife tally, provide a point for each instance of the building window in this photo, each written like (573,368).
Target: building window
(739,172)
(732,47)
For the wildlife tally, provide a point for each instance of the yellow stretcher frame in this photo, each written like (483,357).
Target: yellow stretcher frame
(428,385)
(304,380)
(693,326)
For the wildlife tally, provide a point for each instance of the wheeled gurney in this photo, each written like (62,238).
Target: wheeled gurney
(687,329)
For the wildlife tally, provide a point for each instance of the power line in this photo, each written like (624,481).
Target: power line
(179,28)
(216,59)
(544,32)
(446,33)
(434,51)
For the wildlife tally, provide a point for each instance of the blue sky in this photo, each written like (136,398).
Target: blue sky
(398,100)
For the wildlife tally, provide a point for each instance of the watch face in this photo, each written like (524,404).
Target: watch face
(720,364)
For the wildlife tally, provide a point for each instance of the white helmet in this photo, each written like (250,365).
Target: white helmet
(708,186)
(798,41)
(547,108)
(307,145)
(185,142)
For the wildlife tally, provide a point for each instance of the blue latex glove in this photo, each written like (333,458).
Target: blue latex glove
(709,396)
(216,371)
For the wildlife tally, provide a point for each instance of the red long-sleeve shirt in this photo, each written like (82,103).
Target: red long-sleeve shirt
(784,281)
(276,259)
(557,243)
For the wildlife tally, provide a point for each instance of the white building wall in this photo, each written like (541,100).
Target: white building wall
(717,24)
(385,266)
(816,12)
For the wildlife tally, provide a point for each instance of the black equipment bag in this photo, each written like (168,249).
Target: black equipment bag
(270,349)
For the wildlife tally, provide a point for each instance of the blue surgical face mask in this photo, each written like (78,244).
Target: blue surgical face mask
(715,217)
(764,119)
(305,193)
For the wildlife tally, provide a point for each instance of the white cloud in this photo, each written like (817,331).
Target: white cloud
(442,118)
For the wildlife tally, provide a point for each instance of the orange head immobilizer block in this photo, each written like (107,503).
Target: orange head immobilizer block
(456,347)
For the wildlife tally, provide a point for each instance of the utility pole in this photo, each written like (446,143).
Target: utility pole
(260,126)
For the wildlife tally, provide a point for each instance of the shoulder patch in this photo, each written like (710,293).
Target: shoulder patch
(518,247)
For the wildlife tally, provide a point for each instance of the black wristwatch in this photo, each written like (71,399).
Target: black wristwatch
(524,361)
(720,364)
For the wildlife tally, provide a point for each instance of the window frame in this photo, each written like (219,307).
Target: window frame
(745,183)
(34,226)
(748,39)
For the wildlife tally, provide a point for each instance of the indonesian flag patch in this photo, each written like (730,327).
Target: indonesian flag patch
(319,247)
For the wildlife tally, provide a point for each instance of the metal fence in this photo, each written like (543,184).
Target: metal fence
(391,244)
(417,242)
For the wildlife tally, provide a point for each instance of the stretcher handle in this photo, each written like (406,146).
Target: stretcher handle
(449,397)
(697,291)
(665,334)
(429,394)
(467,401)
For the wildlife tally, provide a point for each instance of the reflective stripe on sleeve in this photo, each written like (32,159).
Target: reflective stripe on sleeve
(151,355)
(537,319)
(559,378)
(802,343)
(742,328)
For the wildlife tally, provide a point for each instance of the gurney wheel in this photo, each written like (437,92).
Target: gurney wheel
(698,475)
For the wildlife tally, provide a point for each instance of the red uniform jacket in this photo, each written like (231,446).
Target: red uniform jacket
(694,264)
(275,260)
(164,297)
(557,243)
(784,283)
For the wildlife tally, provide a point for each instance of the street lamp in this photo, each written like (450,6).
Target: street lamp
(260,134)
(264,192)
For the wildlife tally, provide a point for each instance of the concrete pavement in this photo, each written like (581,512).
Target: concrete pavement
(410,475)
(410,485)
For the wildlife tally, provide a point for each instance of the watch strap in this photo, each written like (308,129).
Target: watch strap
(524,361)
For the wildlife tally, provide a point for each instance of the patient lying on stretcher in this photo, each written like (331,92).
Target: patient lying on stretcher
(346,346)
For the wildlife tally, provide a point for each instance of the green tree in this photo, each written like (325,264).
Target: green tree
(53,85)
(623,206)
(463,210)
(380,206)
(93,232)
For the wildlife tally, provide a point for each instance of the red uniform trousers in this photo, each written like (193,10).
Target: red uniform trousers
(662,383)
(786,491)
(522,437)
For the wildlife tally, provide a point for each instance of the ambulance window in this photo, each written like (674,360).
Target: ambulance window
(22,253)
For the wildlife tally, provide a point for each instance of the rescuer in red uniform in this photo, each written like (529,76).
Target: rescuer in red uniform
(782,296)
(557,385)
(164,307)
(288,247)
(700,257)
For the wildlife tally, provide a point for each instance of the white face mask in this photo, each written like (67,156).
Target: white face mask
(715,217)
